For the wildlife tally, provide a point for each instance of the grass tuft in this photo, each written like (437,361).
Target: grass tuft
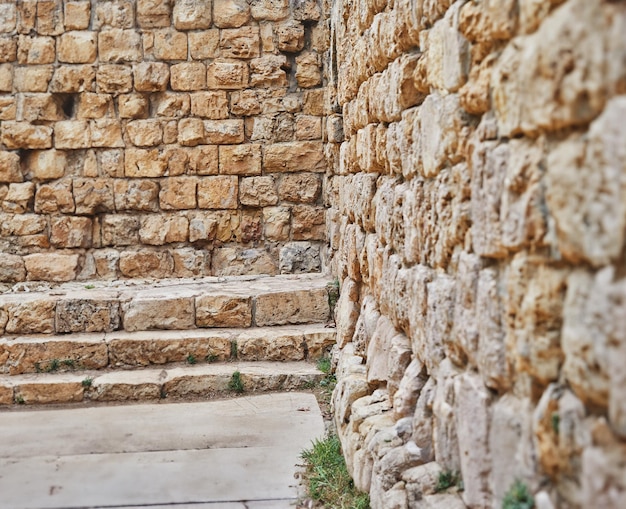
(324,365)
(448,479)
(191,359)
(87,382)
(327,478)
(518,497)
(236,384)
(233,349)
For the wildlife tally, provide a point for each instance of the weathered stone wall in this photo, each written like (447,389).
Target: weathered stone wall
(159,138)
(477,225)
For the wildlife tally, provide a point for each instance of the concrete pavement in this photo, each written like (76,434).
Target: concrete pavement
(227,454)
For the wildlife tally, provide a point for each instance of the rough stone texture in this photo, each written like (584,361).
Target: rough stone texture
(109,109)
(476,222)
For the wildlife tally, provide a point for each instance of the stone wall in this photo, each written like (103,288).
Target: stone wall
(477,225)
(158,138)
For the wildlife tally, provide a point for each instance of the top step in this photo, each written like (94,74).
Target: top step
(173,304)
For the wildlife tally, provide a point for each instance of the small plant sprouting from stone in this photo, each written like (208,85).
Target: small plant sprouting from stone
(69,363)
(333,294)
(448,479)
(233,349)
(211,358)
(87,382)
(191,359)
(518,497)
(19,399)
(53,365)
(556,421)
(236,384)
(324,364)
(90,287)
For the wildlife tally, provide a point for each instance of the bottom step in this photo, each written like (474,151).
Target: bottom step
(205,381)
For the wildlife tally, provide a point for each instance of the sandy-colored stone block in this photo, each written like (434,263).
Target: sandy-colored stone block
(240,159)
(144,163)
(8,105)
(46,164)
(126,386)
(16,135)
(230,13)
(32,78)
(144,133)
(188,76)
(117,46)
(178,193)
(119,230)
(77,47)
(153,13)
(227,74)
(8,17)
(10,170)
(294,156)
(308,69)
(191,15)
(170,45)
(308,127)
(281,308)
(6,394)
(68,232)
(153,264)
(240,42)
(115,14)
(51,266)
(257,345)
(258,191)
(189,262)
(223,311)
(268,71)
(151,76)
(94,106)
(276,221)
(93,196)
(77,15)
(30,317)
(140,195)
(203,160)
(172,104)
(53,198)
(8,49)
(106,133)
(223,132)
(72,134)
(18,197)
(270,10)
(88,315)
(300,187)
(219,192)
(37,107)
(49,392)
(176,313)
(114,79)
(133,106)
(212,104)
(12,269)
(69,79)
(204,44)
(33,50)
(290,37)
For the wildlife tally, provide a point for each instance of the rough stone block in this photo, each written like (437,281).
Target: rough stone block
(290,37)
(77,15)
(143,163)
(33,50)
(227,74)
(276,221)
(270,10)
(159,313)
(114,79)
(229,261)
(204,44)
(223,132)
(308,69)
(153,13)
(191,15)
(268,71)
(10,167)
(117,46)
(51,266)
(87,315)
(223,311)
(16,135)
(212,104)
(72,134)
(170,45)
(140,195)
(68,232)
(308,222)
(300,187)
(144,133)
(294,156)
(93,196)
(178,193)
(230,13)
(77,47)
(287,307)
(259,346)
(240,159)
(151,76)
(219,192)
(70,79)
(240,42)
(299,257)
(258,191)
(54,198)
(145,264)
(188,76)
(157,230)
(12,269)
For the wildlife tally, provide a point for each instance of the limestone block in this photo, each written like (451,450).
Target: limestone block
(12,269)
(119,230)
(204,44)
(77,15)
(212,104)
(51,266)
(73,79)
(31,317)
(230,13)
(257,346)
(191,15)
(270,10)
(290,37)
(300,187)
(145,263)
(223,311)
(203,160)
(40,107)
(602,483)
(218,192)
(229,261)
(276,221)
(202,226)
(188,76)
(94,106)
(19,197)
(49,17)
(240,159)
(151,76)
(178,193)
(87,315)
(8,105)
(22,224)
(258,191)
(472,405)
(268,71)
(140,195)
(47,393)
(32,78)
(590,226)
(132,106)
(294,156)
(298,257)
(172,104)
(106,133)
(143,163)
(250,226)
(16,135)
(114,79)
(77,47)
(93,196)
(66,232)
(10,167)
(150,314)
(157,230)
(223,132)
(227,74)
(190,132)
(9,18)
(307,10)
(115,14)
(240,42)
(117,46)
(308,127)
(52,198)
(189,262)
(308,69)
(308,222)
(144,133)
(153,13)
(291,307)
(72,134)
(170,45)
(35,50)
(8,49)
(448,55)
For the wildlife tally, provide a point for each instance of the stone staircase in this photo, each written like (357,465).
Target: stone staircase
(114,341)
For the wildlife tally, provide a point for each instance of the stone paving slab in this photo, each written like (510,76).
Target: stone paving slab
(208,454)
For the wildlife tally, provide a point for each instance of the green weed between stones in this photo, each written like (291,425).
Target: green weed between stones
(326,476)
(448,479)
(518,497)
(19,399)
(236,384)
(87,382)
(191,359)
(333,294)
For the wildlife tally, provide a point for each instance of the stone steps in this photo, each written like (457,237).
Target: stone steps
(205,381)
(165,304)
(126,350)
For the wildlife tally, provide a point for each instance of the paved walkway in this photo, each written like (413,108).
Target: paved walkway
(229,454)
